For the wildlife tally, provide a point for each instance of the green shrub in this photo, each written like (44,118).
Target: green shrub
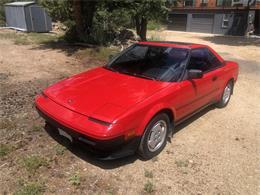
(154,25)
(33,162)
(4,149)
(149,187)
(31,189)
(75,180)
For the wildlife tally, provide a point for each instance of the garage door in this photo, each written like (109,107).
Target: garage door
(177,22)
(202,23)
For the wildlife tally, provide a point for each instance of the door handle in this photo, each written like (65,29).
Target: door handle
(214,78)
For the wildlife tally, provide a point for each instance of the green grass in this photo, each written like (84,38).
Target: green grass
(182,163)
(29,38)
(149,187)
(98,53)
(148,174)
(33,162)
(31,189)
(155,159)
(7,124)
(59,149)
(154,25)
(155,38)
(4,149)
(36,128)
(75,180)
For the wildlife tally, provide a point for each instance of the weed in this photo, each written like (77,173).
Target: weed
(154,25)
(36,128)
(31,189)
(59,149)
(182,163)
(98,53)
(75,180)
(32,163)
(7,124)
(29,38)
(155,38)
(148,174)
(4,149)
(155,159)
(148,187)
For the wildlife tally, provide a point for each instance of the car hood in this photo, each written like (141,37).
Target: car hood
(101,93)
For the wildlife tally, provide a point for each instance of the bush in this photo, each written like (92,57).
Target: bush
(32,163)
(58,10)
(106,25)
(154,25)
(31,189)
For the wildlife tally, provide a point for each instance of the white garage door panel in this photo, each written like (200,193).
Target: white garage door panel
(202,23)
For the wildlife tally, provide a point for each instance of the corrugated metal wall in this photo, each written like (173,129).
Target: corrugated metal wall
(15,17)
(201,23)
(32,18)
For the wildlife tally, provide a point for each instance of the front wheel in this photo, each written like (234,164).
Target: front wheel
(155,136)
(226,95)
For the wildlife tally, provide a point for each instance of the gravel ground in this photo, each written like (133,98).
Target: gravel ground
(215,152)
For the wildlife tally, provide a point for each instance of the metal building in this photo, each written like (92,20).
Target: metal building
(216,21)
(27,16)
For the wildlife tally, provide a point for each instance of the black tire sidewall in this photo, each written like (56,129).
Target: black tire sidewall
(143,150)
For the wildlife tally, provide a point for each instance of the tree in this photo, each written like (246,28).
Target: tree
(145,10)
(83,12)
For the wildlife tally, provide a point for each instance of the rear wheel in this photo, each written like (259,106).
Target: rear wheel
(226,95)
(155,136)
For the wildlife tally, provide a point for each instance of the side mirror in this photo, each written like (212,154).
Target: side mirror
(195,74)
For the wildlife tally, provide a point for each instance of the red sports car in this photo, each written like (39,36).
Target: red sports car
(134,102)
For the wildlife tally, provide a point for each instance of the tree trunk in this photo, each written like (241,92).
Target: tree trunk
(89,10)
(76,5)
(137,25)
(141,27)
(83,12)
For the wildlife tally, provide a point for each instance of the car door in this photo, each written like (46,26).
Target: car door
(195,93)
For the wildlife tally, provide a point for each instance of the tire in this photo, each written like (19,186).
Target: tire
(226,95)
(155,136)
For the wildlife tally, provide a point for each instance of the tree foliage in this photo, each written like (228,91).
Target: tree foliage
(96,21)
(59,10)
(146,10)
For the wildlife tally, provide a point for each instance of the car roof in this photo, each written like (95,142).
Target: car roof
(173,44)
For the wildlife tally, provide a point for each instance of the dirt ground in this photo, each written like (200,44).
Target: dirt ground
(215,152)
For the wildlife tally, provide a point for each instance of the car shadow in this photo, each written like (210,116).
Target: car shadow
(193,118)
(86,154)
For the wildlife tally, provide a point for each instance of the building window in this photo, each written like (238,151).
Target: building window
(188,3)
(204,2)
(224,3)
(225,21)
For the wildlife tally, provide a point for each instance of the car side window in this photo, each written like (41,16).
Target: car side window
(214,61)
(203,59)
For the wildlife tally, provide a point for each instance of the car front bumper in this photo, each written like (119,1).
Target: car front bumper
(107,149)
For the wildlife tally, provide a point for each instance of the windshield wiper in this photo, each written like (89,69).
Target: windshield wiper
(138,75)
(145,77)
(110,68)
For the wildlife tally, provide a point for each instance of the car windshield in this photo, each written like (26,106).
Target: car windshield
(151,62)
